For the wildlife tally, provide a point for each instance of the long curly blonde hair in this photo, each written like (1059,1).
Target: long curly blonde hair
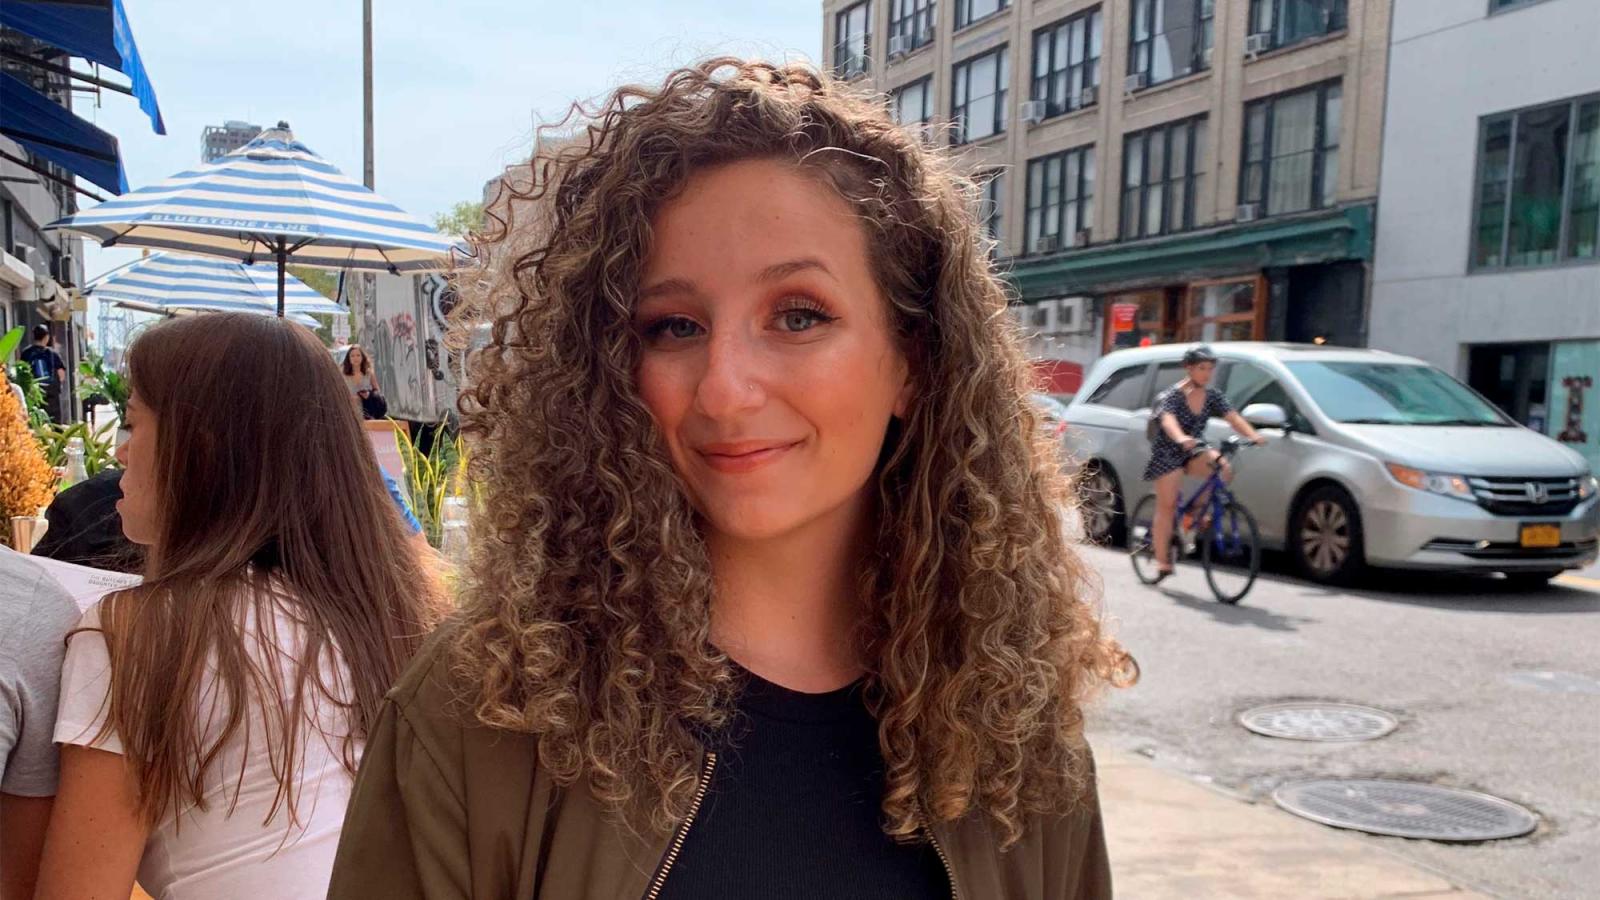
(586,611)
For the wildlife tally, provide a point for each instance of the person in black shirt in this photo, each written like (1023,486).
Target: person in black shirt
(86,529)
(773,570)
(1182,412)
(47,368)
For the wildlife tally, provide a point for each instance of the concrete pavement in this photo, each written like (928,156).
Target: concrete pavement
(1172,837)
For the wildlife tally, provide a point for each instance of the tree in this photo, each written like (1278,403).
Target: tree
(325,283)
(322,281)
(462,219)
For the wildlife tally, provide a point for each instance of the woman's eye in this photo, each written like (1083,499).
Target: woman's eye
(798,320)
(675,327)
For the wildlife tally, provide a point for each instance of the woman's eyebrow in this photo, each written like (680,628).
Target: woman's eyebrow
(775,272)
(778,271)
(666,288)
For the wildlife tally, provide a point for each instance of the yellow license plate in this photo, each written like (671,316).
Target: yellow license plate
(1541,535)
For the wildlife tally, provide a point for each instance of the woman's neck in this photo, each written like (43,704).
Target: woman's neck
(786,608)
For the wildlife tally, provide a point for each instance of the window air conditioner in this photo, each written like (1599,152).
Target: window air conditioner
(1072,315)
(1033,111)
(1047,243)
(1258,43)
(1247,212)
(1136,82)
(1048,317)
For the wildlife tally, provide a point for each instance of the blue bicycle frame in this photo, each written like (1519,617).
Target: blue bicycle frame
(1215,491)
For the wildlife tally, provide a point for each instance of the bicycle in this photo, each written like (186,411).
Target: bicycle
(1225,533)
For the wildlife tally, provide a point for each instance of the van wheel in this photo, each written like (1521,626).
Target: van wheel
(1325,538)
(1104,519)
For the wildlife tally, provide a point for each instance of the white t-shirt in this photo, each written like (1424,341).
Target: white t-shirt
(216,854)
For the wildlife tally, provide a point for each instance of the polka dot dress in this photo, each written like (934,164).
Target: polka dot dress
(1167,455)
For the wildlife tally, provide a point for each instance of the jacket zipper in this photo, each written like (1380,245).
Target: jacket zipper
(949,870)
(683,830)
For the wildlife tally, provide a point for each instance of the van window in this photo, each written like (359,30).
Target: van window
(1167,375)
(1123,389)
(1248,383)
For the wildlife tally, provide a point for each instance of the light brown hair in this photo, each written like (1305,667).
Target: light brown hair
(587,609)
(270,501)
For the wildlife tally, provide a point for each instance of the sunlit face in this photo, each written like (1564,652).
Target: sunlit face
(138,457)
(1200,373)
(767,362)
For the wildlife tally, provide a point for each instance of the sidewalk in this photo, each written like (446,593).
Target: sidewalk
(1171,837)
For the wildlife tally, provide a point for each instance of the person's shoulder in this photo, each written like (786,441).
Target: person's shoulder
(431,694)
(33,606)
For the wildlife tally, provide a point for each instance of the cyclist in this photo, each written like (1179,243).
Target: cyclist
(1182,412)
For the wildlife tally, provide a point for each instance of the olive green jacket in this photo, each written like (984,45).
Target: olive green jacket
(447,809)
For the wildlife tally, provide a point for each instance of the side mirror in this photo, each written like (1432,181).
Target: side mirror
(1265,415)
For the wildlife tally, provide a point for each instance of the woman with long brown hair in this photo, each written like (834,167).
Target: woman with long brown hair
(362,382)
(770,595)
(212,718)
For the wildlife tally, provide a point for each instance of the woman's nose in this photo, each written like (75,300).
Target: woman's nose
(732,379)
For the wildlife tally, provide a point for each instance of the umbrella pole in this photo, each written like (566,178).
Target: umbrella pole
(283,262)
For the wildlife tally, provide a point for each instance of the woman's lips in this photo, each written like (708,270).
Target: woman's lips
(744,457)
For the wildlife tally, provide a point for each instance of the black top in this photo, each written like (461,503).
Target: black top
(1167,455)
(44,363)
(85,527)
(793,809)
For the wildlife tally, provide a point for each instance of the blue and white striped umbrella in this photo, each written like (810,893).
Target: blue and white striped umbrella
(173,281)
(270,199)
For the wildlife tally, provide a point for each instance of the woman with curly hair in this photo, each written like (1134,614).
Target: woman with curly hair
(770,595)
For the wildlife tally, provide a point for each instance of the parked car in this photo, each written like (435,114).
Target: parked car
(1054,413)
(1372,459)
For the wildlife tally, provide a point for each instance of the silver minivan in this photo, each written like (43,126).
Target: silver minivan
(1372,459)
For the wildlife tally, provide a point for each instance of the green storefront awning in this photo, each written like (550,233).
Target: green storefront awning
(1324,236)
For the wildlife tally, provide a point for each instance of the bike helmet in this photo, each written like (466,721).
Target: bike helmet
(1198,354)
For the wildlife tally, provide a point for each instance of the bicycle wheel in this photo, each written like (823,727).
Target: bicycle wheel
(1230,552)
(1141,550)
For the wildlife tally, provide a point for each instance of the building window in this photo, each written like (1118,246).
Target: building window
(1168,39)
(912,104)
(1538,185)
(969,11)
(1162,175)
(1291,151)
(979,106)
(1285,22)
(1066,63)
(1060,200)
(852,39)
(991,210)
(910,25)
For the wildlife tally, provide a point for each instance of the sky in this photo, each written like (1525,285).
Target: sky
(458,85)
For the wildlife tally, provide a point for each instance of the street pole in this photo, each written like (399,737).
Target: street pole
(368,177)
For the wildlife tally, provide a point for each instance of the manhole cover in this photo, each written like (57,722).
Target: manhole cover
(1559,682)
(1406,809)
(1318,721)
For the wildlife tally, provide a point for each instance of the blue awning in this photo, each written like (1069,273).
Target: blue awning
(54,133)
(95,30)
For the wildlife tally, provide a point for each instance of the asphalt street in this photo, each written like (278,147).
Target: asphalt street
(1442,653)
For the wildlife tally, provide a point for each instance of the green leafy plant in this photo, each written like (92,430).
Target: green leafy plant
(9,341)
(96,378)
(32,394)
(431,477)
(99,447)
